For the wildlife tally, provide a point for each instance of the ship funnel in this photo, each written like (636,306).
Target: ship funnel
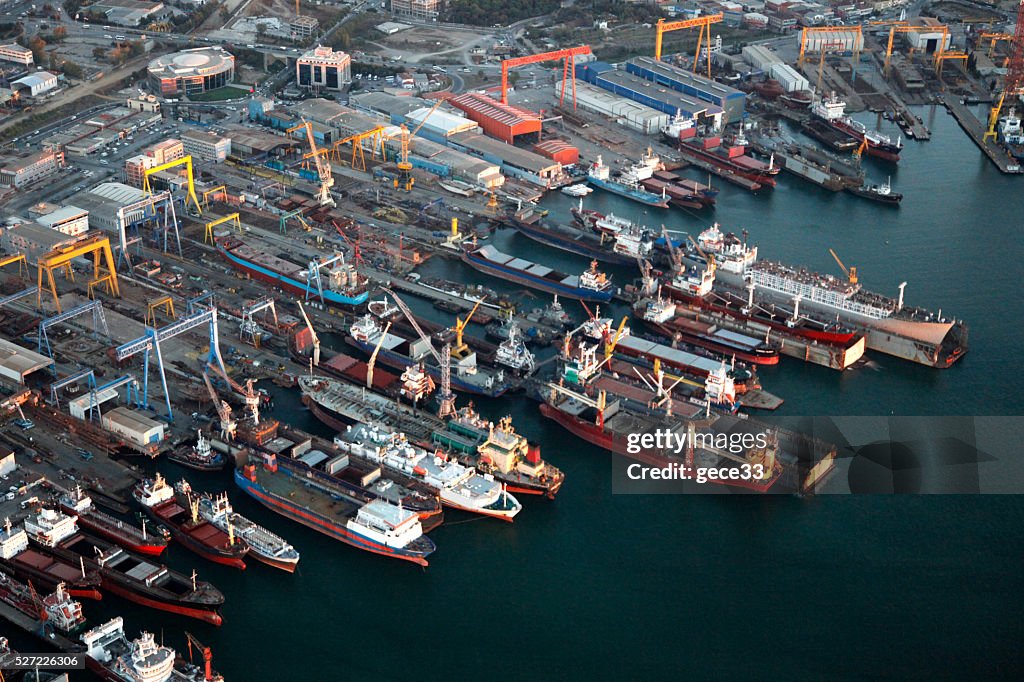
(533,453)
(899,304)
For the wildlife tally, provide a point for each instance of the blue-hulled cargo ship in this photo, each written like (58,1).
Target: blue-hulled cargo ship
(591,285)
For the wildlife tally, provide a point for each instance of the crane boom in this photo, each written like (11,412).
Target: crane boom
(373,358)
(851,273)
(205,650)
(412,320)
(312,333)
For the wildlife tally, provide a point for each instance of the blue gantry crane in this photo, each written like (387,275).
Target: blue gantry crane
(99,325)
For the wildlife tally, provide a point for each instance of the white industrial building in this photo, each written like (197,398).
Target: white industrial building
(35,83)
(135,428)
(760,57)
(17,362)
(7,463)
(69,220)
(78,407)
(789,78)
(929,41)
(16,53)
(839,40)
(627,112)
(440,122)
(206,146)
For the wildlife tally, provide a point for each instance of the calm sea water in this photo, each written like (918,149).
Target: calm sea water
(709,587)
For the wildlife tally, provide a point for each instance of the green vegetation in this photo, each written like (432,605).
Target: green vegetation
(227,92)
(490,12)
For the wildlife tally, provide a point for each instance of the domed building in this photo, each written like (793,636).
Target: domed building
(191,72)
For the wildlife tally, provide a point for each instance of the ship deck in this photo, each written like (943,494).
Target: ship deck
(307,495)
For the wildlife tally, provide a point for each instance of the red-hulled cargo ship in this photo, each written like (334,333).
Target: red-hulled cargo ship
(45,572)
(831,111)
(121,532)
(164,504)
(732,158)
(662,316)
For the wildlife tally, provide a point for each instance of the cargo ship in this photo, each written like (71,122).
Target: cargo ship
(692,436)
(164,504)
(831,110)
(622,248)
(682,191)
(497,450)
(264,546)
(627,183)
(44,571)
(125,534)
(661,315)
(127,575)
(200,456)
(335,281)
(112,657)
(63,613)
(821,131)
(458,486)
(592,285)
(378,526)
(732,159)
(367,334)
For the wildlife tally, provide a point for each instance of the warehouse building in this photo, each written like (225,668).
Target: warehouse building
(731,100)
(35,84)
(134,427)
(558,150)
(505,122)
(625,111)
(79,406)
(69,220)
(789,78)
(648,93)
(203,145)
(323,69)
(16,362)
(23,170)
(760,57)
(446,162)
(514,161)
(105,204)
(929,41)
(31,239)
(839,40)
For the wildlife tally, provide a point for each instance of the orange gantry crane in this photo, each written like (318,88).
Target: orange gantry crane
(704,23)
(568,54)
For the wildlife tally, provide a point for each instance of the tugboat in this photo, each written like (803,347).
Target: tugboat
(121,532)
(200,457)
(264,546)
(880,193)
(164,504)
(512,352)
(112,657)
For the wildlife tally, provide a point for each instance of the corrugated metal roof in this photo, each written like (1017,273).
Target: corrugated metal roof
(505,114)
(441,120)
(118,193)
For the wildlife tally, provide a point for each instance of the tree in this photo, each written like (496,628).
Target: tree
(261,30)
(60,33)
(72,70)
(38,47)
(99,53)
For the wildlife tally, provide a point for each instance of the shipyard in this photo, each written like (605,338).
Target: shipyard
(319,310)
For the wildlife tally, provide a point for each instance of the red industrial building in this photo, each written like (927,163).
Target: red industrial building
(505,122)
(558,150)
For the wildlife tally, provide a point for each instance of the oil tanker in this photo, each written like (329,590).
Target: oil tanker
(334,280)
(591,285)
(377,527)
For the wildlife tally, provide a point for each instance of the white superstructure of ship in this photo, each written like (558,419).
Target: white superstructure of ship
(458,486)
(263,545)
(512,352)
(138,660)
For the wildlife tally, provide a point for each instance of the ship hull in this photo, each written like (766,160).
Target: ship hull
(552,238)
(879,150)
(294,286)
(765,178)
(274,562)
(322,524)
(191,611)
(183,537)
(639,196)
(665,329)
(216,464)
(153,549)
(511,275)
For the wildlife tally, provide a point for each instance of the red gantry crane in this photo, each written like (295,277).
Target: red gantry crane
(568,73)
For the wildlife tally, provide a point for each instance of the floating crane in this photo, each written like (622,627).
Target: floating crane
(851,273)
(444,359)
(323,166)
(312,333)
(461,348)
(191,639)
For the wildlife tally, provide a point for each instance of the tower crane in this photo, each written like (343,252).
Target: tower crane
(227,424)
(444,359)
(851,273)
(191,639)
(405,179)
(312,333)
(461,348)
(323,166)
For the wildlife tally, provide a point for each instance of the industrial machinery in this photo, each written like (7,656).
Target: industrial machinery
(185,161)
(704,23)
(568,72)
(104,271)
(323,165)
(446,398)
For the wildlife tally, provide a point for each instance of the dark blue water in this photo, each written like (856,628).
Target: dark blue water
(596,585)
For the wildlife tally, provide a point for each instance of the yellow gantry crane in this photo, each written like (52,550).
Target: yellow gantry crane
(851,273)
(233,218)
(460,348)
(994,38)
(103,271)
(323,165)
(704,23)
(220,189)
(358,160)
(155,304)
(18,258)
(185,161)
(373,358)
